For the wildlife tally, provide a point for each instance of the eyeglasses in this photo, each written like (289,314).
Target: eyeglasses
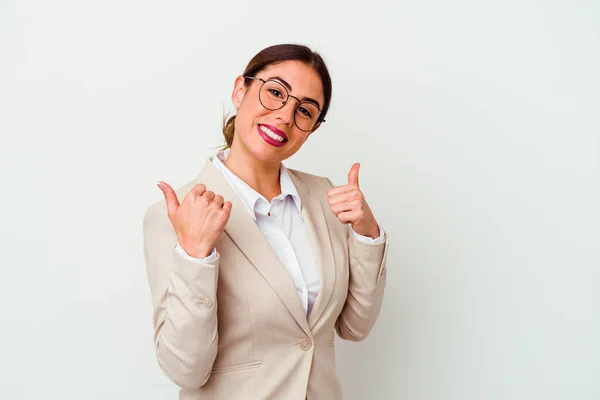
(273,96)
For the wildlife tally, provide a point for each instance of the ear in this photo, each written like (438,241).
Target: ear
(239,89)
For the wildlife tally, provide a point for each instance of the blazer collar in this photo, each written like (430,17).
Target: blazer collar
(314,212)
(244,232)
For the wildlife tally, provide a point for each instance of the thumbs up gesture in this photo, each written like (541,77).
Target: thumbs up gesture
(199,220)
(348,204)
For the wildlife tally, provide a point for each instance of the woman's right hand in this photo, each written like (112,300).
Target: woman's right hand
(199,220)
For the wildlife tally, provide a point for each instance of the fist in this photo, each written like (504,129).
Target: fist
(348,204)
(199,220)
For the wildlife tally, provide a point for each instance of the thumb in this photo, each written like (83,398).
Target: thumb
(353,174)
(170,196)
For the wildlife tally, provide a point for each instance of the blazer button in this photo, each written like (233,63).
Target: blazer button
(207,302)
(305,344)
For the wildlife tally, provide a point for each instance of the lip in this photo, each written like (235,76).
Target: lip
(276,130)
(269,139)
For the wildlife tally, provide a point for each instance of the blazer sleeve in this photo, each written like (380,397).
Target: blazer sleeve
(365,287)
(184,304)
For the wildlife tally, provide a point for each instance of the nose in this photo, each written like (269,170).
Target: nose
(286,113)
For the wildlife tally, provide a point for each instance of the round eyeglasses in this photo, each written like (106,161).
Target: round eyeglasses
(273,96)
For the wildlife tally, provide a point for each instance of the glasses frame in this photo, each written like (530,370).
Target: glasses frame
(319,119)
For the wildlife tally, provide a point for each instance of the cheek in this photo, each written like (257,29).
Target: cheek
(303,137)
(249,111)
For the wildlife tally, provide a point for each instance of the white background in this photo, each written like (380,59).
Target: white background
(477,127)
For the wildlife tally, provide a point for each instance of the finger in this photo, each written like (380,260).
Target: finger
(353,174)
(344,207)
(198,189)
(348,217)
(170,196)
(227,207)
(225,212)
(218,201)
(208,195)
(346,196)
(340,189)
(195,193)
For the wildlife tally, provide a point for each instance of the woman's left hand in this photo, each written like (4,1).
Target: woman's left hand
(348,204)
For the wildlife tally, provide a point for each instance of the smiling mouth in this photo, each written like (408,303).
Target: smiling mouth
(267,131)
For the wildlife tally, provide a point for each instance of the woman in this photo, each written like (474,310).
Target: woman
(258,265)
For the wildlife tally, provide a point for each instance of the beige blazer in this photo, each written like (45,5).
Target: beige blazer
(235,328)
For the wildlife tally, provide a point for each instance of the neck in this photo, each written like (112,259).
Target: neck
(259,175)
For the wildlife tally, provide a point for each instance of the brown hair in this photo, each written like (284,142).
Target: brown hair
(273,55)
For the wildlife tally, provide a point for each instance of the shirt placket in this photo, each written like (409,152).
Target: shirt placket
(277,208)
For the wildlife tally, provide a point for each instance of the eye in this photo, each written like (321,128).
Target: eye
(275,92)
(305,112)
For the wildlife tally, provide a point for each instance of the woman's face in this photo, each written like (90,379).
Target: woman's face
(254,123)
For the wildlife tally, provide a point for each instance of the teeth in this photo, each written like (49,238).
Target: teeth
(271,134)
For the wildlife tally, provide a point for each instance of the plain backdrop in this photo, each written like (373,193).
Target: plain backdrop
(477,126)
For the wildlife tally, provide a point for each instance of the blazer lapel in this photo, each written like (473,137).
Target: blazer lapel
(244,232)
(315,219)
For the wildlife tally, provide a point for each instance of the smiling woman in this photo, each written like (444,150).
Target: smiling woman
(257,266)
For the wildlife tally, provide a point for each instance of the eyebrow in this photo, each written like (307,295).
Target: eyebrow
(289,87)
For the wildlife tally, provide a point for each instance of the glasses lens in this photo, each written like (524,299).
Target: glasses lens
(306,116)
(273,95)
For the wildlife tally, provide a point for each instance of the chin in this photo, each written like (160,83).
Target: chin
(270,157)
(265,152)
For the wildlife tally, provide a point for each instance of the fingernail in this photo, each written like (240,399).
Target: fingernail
(159,186)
